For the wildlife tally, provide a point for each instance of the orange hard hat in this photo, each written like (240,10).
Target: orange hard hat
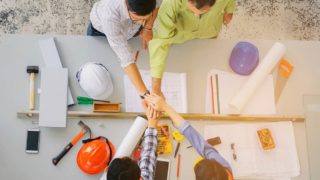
(95,155)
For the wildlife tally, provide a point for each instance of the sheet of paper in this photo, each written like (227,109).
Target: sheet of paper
(252,160)
(51,58)
(174,88)
(262,102)
(53,97)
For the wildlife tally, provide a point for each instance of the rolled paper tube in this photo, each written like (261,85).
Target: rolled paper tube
(131,140)
(259,75)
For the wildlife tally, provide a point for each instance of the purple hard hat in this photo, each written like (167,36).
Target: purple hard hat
(244,58)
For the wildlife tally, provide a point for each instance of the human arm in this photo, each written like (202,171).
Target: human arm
(146,32)
(148,155)
(119,44)
(185,128)
(228,12)
(160,44)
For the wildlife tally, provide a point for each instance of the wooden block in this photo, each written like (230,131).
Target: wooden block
(266,139)
(106,107)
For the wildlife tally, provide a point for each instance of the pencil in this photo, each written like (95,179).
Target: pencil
(212,94)
(178,166)
(136,57)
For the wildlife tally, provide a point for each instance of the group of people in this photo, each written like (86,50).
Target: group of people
(177,22)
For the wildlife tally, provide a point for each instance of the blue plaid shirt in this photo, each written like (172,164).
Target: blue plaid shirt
(148,156)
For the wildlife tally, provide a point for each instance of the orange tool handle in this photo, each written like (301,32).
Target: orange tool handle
(76,139)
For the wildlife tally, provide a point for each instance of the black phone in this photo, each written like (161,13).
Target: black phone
(32,145)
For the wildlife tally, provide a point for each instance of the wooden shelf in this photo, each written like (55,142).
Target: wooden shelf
(189,116)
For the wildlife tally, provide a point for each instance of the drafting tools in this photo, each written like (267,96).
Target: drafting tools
(284,71)
(212,94)
(234,155)
(164,145)
(177,137)
(87,100)
(85,129)
(217,88)
(178,166)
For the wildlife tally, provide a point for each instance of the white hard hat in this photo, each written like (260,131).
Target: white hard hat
(95,80)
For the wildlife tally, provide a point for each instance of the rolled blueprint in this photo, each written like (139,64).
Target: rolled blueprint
(132,138)
(239,101)
(130,141)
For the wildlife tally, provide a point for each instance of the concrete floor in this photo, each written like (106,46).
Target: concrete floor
(253,19)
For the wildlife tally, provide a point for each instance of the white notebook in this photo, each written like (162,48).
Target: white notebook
(53,97)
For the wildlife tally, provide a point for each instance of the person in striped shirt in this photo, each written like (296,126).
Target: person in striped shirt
(119,21)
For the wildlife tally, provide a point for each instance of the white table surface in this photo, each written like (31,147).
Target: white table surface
(195,57)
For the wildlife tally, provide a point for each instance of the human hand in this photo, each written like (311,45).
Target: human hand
(146,35)
(156,102)
(227,18)
(152,115)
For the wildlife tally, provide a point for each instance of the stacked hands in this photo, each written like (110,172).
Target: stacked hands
(153,105)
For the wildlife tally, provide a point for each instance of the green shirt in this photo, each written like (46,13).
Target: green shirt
(178,24)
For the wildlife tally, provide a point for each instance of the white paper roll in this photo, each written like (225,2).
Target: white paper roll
(260,74)
(132,138)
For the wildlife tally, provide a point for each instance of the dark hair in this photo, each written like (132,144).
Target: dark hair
(141,7)
(210,170)
(123,169)
(201,3)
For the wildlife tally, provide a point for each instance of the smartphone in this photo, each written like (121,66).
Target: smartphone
(32,145)
(162,169)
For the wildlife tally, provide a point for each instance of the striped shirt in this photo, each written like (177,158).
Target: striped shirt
(111,17)
(148,156)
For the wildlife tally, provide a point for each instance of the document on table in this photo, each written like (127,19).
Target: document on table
(222,86)
(174,88)
(51,58)
(53,97)
(252,161)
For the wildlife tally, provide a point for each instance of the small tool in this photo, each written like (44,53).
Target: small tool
(178,166)
(87,100)
(32,70)
(85,129)
(177,137)
(234,155)
(136,56)
(285,70)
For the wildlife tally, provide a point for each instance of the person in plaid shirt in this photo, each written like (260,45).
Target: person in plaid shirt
(125,168)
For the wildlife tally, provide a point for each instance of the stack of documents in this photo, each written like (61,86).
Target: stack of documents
(252,162)
(174,88)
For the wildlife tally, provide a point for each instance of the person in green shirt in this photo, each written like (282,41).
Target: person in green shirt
(183,20)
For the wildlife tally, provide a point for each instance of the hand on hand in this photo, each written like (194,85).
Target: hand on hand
(146,35)
(152,115)
(227,18)
(156,102)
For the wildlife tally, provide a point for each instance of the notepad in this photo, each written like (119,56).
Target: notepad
(174,88)
(53,97)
